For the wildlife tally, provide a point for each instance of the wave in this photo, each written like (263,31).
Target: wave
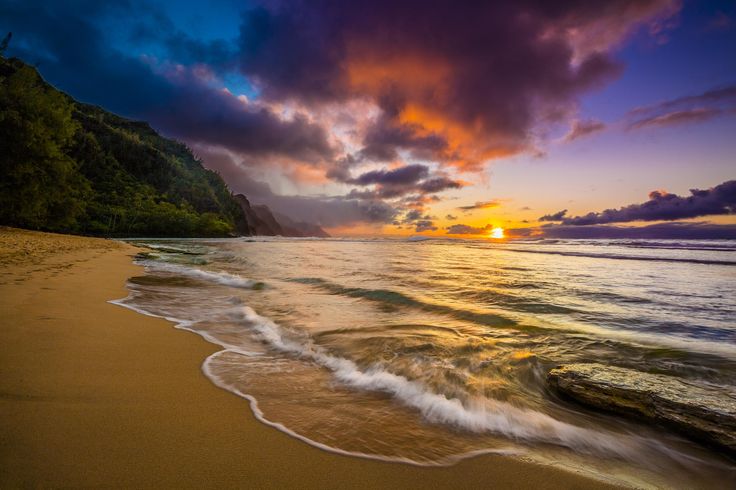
(224,278)
(395,298)
(625,257)
(709,247)
(477,415)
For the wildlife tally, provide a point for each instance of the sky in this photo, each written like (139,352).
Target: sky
(441,118)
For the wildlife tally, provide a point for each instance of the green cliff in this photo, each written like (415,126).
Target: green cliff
(71,167)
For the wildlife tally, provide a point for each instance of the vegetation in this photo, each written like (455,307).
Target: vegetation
(72,167)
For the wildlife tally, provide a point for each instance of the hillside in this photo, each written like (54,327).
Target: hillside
(71,167)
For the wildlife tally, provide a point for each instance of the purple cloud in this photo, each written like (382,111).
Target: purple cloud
(673,230)
(687,109)
(663,206)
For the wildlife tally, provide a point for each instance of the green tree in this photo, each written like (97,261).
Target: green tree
(73,167)
(40,186)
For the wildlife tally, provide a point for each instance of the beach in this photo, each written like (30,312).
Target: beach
(93,394)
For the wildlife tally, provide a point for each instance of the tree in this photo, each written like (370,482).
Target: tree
(40,186)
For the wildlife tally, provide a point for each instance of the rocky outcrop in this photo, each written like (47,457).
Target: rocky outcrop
(260,221)
(699,411)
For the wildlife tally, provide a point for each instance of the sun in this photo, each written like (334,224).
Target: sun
(496,233)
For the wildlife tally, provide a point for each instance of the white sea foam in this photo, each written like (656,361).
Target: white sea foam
(224,278)
(479,415)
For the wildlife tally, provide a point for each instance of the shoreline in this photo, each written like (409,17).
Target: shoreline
(92,394)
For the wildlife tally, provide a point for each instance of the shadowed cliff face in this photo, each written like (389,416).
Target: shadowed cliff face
(260,221)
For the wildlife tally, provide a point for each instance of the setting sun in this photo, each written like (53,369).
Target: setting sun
(496,233)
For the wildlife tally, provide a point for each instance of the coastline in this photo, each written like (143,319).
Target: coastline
(92,394)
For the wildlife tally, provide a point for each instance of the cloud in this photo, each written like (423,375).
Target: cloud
(413,215)
(407,179)
(471,92)
(408,174)
(480,205)
(461,229)
(714,95)
(558,216)
(676,117)
(663,206)
(673,230)
(580,129)
(425,225)
(450,217)
(701,107)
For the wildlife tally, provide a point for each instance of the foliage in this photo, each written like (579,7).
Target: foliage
(67,166)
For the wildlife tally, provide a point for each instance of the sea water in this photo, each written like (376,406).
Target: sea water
(429,351)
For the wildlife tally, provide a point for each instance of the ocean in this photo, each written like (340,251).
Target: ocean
(426,351)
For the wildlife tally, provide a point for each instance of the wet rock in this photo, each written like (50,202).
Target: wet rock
(700,411)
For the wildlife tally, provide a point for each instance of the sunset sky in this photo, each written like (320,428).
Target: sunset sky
(405,117)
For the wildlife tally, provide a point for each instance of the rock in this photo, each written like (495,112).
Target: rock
(697,410)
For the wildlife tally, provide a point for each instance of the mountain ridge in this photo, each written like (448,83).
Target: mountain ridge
(71,167)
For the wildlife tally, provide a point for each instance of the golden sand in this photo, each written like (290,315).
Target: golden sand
(92,394)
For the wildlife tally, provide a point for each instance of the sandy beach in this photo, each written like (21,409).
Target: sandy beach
(92,394)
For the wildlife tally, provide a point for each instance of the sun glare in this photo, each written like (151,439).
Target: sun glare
(497,233)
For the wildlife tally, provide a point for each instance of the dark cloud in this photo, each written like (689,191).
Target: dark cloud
(664,206)
(580,129)
(558,216)
(450,217)
(424,225)
(384,138)
(461,229)
(480,205)
(674,230)
(463,83)
(688,109)
(439,184)
(408,174)
(178,100)
(401,181)
(200,115)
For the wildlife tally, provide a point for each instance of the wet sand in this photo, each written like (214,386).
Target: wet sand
(92,394)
